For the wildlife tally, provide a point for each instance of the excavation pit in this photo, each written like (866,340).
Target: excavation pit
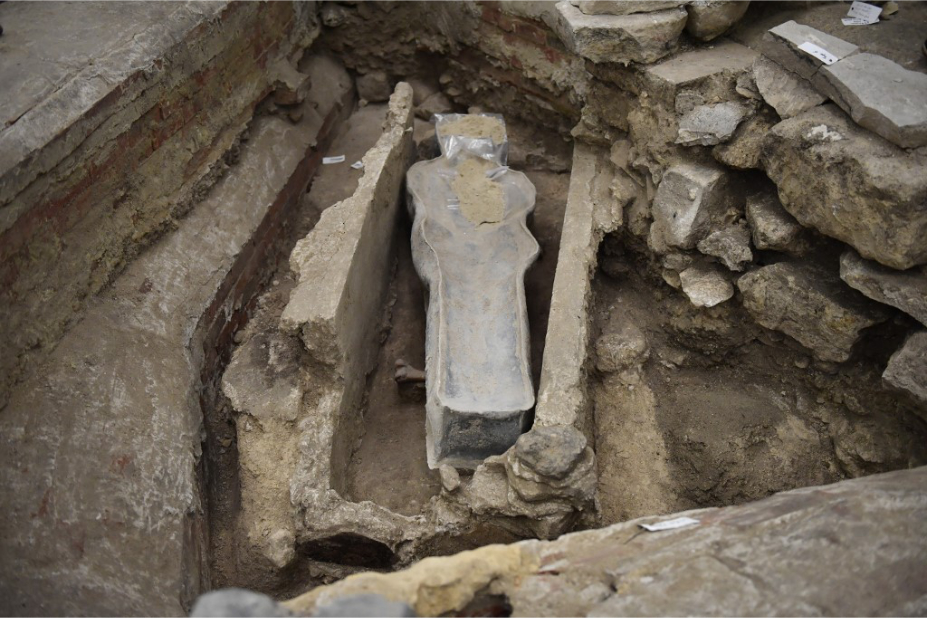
(205,316)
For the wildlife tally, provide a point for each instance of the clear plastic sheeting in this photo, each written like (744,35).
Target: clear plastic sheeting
(471,247)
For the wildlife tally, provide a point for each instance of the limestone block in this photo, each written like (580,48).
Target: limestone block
(374,87)
(730,244)
(237,602)
(706,285)
(907,368)
(772,227)
(290,86)
(437,103)
(690,200)
(624,7)
(708,125)
(851,184)
(811,305)
(722,62)
(709,19)
(880,95)
(905,290)
(471,248)
(785,91)
(781,45)
(640,37)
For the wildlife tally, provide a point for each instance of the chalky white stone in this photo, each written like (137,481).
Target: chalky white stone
(471,247)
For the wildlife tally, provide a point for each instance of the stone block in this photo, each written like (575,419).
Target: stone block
(811,305)
(730,244)
(709,19)
(851,184)
(907,368)
(471,248)
(723,61)
(690,201)
(621,350)
(880,95)
(785,91)
(640,37)
(625,7)
(772,227)
(781,45)
(706,285)
(905,290)
(708,125)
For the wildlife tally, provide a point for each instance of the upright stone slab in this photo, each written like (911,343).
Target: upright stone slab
(471,247)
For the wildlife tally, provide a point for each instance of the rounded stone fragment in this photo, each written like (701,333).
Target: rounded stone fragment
(450,479)
(551,451)
(237,602)
(731,245)
(706,285)
(709,19)
(620,350)
(374,87)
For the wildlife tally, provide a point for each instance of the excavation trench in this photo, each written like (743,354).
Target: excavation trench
(684,407)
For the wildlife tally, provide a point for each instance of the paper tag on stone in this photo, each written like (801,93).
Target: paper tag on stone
(864,11)
(330,160)
(818,52)
(855,21)
(358,165)
(670,524)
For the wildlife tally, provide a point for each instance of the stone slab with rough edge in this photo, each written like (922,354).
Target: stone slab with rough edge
(902,289)
(810,305)
(738,560)
(625,7)
(851,184)
(690,200)
(563,398)
(879,95)
(640,37)
(785,91)
(709,125)
(477,362)
(907,368)
(730,244)
(110,427)
(781,43)
(723,59)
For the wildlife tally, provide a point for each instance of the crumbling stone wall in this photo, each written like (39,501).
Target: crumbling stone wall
(95,172)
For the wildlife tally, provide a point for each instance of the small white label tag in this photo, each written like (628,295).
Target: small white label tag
(865,11)
(855,21)
(818,52)
(358,165)
(671,524)
(330,160)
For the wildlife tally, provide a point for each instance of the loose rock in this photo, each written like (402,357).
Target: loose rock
(450,479)
(708,125)
(785,91)
(905,290)
(706,285)
(743,150)
(731,245)
(709,19)
(621,350)
(374,87)
(437,103)
(907,368)
(772,227)
(811,305)
(690,201)
(551,451)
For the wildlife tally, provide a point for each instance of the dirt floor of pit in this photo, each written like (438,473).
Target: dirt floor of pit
(724,412)
(393,446)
